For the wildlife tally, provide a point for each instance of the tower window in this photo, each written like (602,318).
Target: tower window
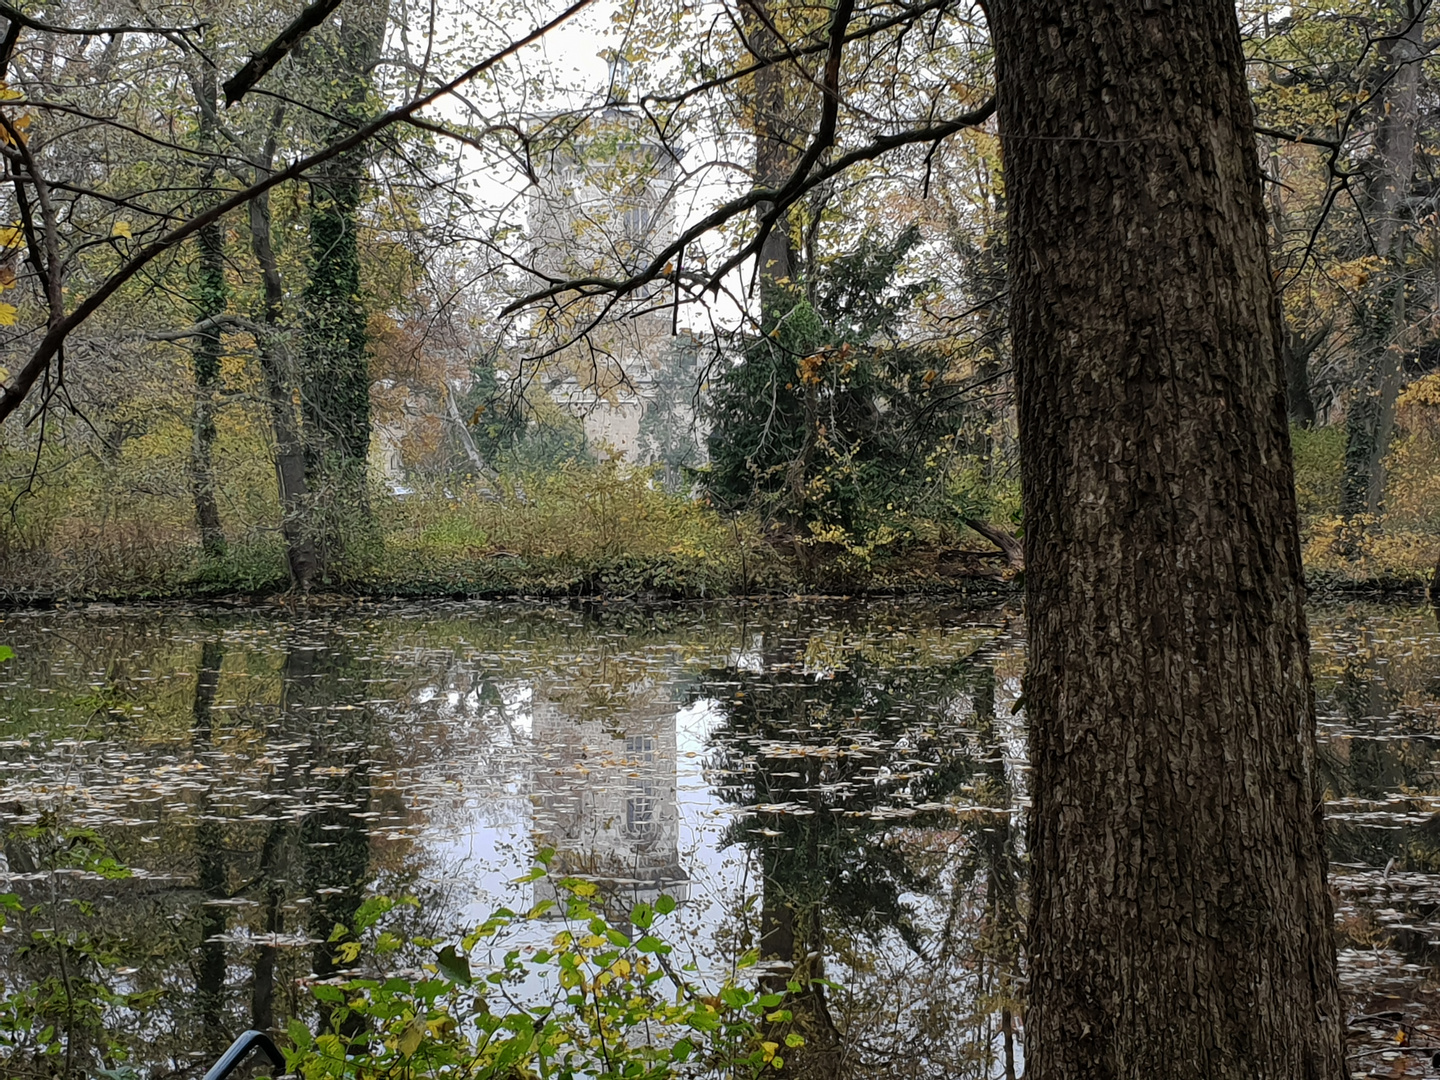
(640,748)
(640,811)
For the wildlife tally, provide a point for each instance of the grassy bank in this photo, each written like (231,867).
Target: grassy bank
(583,529)
(588,529)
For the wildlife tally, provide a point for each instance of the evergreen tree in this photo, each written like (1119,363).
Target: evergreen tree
(832,423)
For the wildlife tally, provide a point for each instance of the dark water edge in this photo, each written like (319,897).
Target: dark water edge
(978,591)
(839,783)
(637,585)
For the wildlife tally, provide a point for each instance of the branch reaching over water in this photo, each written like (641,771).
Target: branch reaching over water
(21,382)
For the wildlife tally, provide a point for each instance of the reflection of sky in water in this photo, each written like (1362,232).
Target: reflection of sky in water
(472,734)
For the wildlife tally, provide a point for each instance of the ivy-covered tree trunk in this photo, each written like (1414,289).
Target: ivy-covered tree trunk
(210,303)
(1180,924)
(1370,412)
(335,381)
(335,387)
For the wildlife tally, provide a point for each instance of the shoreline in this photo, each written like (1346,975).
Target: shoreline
(1323,587)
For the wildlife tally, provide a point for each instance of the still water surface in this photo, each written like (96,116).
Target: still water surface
(836,785)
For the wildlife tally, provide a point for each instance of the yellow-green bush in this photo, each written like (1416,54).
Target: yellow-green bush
(602,523)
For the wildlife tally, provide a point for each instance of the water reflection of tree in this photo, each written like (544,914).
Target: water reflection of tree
(298,862)
(1376,680)
(241,799)
(1380,757)
(325,683)
(212,871)
(843,777)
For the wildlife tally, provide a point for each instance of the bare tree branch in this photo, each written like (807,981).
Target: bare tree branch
(210,325)
(1290,136)
(16,17)
(255,68)
(21,382)
(782,198)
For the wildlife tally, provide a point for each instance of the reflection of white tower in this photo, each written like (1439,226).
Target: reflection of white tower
(604,792)
(604,206)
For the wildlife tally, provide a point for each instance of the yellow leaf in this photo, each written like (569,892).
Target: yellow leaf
(11,237)
(409,1040)
(7,314)
(121,228)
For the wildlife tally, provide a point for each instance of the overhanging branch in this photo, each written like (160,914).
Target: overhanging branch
(20,384)
(255,68)
(781,199)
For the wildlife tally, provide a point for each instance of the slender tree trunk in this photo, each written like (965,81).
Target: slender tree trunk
(1295,348)
(1180,924)
(1370,413)
(776,151)
(1296,352)
(295,505)
(211,299)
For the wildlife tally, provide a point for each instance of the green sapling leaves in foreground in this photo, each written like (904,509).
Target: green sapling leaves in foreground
(598,1003)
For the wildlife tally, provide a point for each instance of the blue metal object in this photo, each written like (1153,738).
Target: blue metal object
(240,1050)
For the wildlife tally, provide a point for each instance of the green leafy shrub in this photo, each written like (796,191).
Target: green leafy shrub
(612,1007)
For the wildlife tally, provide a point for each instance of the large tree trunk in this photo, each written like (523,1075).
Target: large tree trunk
(1180,924)
(1370,412)
(335,380)
(777,149)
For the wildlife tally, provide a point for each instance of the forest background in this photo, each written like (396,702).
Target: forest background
(342,345)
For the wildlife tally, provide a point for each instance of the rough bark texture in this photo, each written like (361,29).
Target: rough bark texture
(1180,923)
(1370,412)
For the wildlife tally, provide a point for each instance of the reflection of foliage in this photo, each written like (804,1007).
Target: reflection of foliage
(247,845)
(826,755)
(849,782)
(274,758)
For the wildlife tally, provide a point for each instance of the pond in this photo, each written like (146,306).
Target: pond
(193,798)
